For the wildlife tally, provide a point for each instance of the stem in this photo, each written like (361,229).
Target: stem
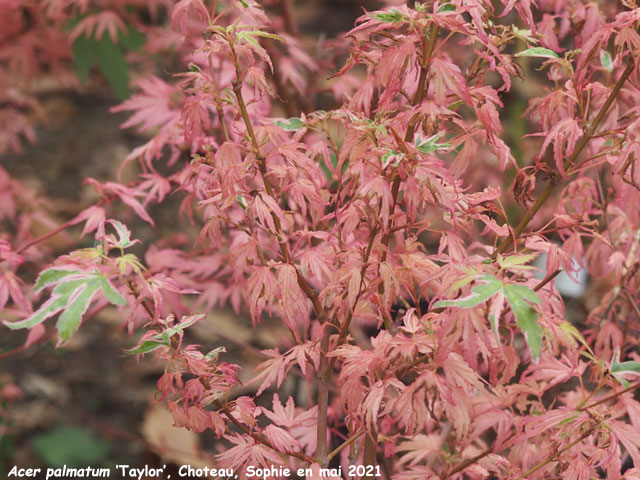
(134,291)
(611,396)
(370,445)
(344,445)
(323,369)
(554,456)
(461,466)
(262,166)
(322,431)
(53,232)
(24,347)
(589,132)
(219,110)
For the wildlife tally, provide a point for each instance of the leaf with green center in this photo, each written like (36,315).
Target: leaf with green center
(516,262)
(479,294)
(537,52)
(260,33)
(79,301)
(390,156)
(149,345)
(163,339)
(622,367)
(292,124)
(124,235)
(605,60)
(250,38)
(213,354)
(573,332)
(73,293)
(242,201)
(129,260)
(392,16)
(429,145)
(111,293)
(447,7)
(51,276)
(526,317)
(618,368)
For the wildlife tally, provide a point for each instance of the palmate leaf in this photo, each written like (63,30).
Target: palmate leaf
(526,317)
(537,52)
(517,297)
(479,294)
(163,339)
(113,66)
(291,124)
(84,56)
(618,369)
(392,16)
(73,293)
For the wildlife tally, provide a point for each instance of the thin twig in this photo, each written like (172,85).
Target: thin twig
(589,132)
(555,455)
(259,437)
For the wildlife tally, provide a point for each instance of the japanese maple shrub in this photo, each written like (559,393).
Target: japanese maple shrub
(392,236)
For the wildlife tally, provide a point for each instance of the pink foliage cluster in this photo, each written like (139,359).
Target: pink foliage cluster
(386,236)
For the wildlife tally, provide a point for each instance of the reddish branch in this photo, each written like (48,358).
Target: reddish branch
(588,134)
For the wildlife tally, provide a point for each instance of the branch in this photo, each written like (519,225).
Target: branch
(609,397)
(554,455)
(262,166)
(589,132)
(261,438)
(55,231)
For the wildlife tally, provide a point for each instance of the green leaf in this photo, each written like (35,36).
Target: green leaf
(617,368)
(132,39)
(49,309)
(52,275)
(625,367)
(391,155)
(242,201)
(479,294)
(129,260)
(516,261)
(293,124)
(526,317)
(447,7)
(163,339)
(429,145)
(70,446)
(213,354)
(523,291)
(84,56)
(124,234)
(79,301)
(260,33)
(574,333)
(537,52)
(148,345)
(391,16)
(606,61)
(111,293)
(73,296)
(113,66)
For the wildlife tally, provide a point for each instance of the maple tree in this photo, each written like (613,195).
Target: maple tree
(393,235)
